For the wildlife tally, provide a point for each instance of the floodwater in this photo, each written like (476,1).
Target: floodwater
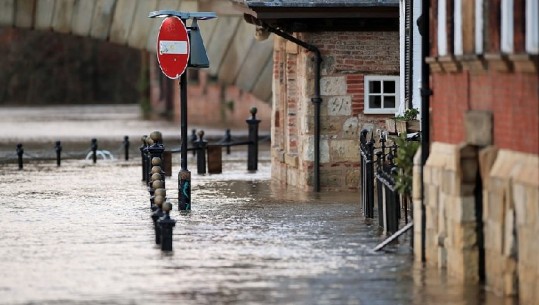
(82,234)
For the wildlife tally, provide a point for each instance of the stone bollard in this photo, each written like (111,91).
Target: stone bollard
(166,225)
(158,213)
(201,153)
(58,149)
(144,156)
(126,147)
(20,152)
(93,147)
(252,150)
(155,150)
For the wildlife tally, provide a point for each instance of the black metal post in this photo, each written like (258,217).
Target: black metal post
(20,152)
(252,149)
(201,153)
(228,140)
(126,147)
(142,149)
(94,150)
(184,176)
(157,213)
(58,149)
(369,211)
(193,140)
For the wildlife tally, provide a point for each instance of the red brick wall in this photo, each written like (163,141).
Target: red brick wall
(513,99)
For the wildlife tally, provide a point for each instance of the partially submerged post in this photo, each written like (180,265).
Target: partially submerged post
(252,150)
(178,48)
(20,152)
(58,149)
(93,148)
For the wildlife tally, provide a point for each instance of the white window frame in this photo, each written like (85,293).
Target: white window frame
(479,27)
(507,26)
(442,31)
(532,27)
(367,94)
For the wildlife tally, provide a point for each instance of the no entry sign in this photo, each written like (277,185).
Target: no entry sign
(173,47)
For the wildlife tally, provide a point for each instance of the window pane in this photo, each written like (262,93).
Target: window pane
(375,86)
(389,86)
(375,101)
(389,101)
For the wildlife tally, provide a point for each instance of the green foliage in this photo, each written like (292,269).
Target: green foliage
(405,163)
(409,115)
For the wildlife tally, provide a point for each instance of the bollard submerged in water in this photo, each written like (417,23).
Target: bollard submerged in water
(58,149)
(93,148)
(20,152)
(166,225)
(252,150)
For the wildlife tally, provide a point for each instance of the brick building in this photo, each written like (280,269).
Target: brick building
(318,110)
(481,179)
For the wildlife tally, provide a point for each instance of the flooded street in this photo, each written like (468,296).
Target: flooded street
(82,234)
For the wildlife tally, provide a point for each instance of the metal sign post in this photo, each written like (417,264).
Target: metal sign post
(175,52)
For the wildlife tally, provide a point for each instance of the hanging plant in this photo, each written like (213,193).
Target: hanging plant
(405,162)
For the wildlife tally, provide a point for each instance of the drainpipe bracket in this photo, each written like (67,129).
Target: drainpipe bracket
(316,100)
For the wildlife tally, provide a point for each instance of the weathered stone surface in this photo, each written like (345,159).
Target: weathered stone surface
(333,85)
(464,210)
(259,55)
(352,178)
(479,127)
(25,13)
(487,156)
(263,86)
(44,14)
(291,160)
(236,54)
(102,18)
(344,150)
(63,13)
(292,176)
(308,149)
(339,105)
(82,17)
(141,26)
(225,28)
(7,12)
(463,264)
(350,128)
(122,20)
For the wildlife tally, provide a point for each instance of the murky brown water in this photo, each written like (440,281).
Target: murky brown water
(81,234)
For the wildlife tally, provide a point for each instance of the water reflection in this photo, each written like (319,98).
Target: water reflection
(81,234)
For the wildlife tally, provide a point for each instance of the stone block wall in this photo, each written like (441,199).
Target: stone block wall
(511,226)
(347,58)
(509,221)
(449,181)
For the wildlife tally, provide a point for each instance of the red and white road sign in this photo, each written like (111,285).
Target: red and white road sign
(173,47)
